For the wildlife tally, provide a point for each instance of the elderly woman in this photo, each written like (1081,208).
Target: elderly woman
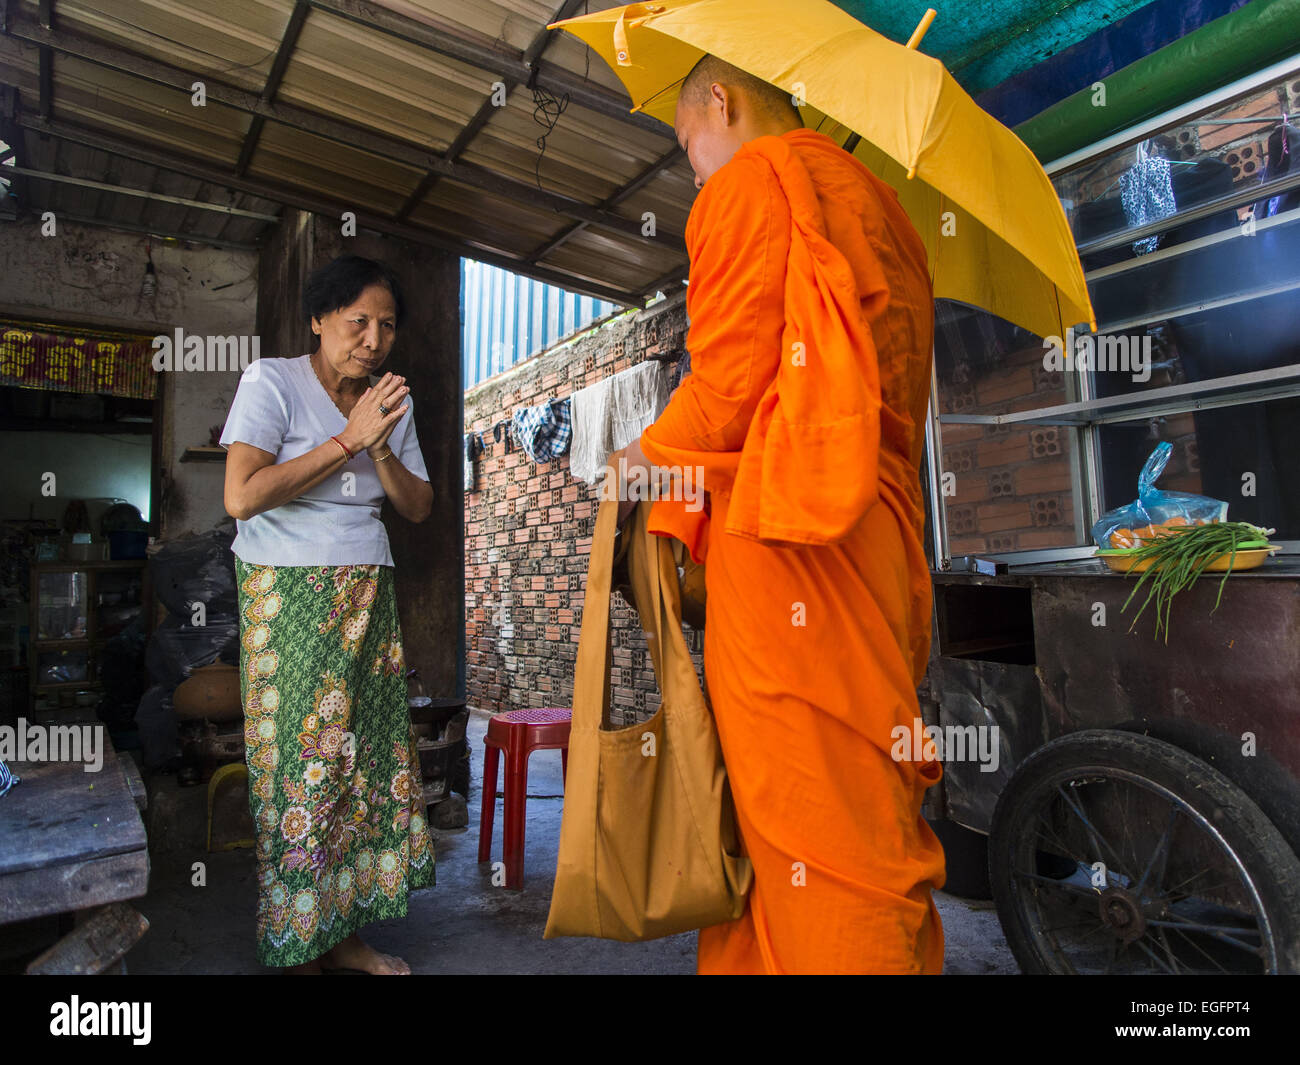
(314,446)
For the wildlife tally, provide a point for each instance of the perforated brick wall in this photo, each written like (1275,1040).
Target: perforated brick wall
(528,530)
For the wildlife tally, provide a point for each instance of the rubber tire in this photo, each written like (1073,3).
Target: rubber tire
(1269,860)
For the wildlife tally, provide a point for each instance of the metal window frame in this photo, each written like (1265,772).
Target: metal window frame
(1278,71)
(1085,413)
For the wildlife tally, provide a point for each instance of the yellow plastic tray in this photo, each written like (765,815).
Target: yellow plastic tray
(1246,559)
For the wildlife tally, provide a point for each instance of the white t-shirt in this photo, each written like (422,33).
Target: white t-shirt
(281,407)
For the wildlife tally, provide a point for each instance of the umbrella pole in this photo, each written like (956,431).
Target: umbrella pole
(914,42)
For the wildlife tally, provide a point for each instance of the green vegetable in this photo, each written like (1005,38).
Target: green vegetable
(1181,555)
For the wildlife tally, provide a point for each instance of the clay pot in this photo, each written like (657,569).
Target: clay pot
(211,694)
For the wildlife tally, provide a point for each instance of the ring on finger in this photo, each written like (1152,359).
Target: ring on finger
(384,410)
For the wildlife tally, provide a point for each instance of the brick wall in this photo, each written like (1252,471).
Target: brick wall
(528,526)
(528,530)
(1012,485)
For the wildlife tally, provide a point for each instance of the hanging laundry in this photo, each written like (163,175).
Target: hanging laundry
(473,448)
(612,413)
(503,430)
(544,431)
(1147,194)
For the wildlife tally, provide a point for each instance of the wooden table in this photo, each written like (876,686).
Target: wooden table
(70,840)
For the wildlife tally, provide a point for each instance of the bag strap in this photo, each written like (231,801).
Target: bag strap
(591,672)
(634,532)
(659,607)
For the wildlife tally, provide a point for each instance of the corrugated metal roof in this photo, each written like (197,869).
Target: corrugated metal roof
(389,109)
(506,318)
(160,216)
(383,109)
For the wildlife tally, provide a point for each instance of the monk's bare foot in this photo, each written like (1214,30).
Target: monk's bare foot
(352,953)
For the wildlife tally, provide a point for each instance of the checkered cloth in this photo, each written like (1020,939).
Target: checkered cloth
(544,431)
(7,778)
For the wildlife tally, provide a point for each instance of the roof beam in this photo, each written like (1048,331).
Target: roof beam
(328,207)
(385,147)
(45,68)
(288,42)
(46,81)
(123,190)
(13,137)
(486,109)
(154,231)
(658,166)
(490,55)
(545,36)
(673,277)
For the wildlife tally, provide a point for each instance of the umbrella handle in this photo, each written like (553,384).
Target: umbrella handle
(914,42)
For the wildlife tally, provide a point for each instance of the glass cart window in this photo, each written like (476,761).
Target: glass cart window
(1229,453)
(1190,244)
(1190,241)
(1004,488)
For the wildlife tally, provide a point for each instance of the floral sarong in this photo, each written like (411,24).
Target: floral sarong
(333,771)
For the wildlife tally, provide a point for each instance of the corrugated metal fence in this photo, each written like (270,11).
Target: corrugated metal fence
(506,318)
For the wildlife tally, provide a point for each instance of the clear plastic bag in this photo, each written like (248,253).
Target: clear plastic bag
(1154,512)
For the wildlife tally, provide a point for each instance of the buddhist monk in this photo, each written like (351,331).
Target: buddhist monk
(811,315)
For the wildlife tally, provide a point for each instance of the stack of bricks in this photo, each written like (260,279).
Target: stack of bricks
(528,529)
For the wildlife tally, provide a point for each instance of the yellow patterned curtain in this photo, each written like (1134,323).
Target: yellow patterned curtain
(33,355)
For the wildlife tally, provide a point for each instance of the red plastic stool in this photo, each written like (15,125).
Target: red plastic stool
(519,733)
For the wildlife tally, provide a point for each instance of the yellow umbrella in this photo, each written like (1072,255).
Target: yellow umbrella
(993,226)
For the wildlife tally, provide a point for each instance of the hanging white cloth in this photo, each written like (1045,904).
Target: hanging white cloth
(612,413)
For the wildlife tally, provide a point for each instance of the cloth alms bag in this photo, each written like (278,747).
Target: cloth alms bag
(648,842)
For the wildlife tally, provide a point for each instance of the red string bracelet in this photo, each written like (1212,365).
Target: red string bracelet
(344,447)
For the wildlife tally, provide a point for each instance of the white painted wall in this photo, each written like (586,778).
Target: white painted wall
(86,466)
(92,276)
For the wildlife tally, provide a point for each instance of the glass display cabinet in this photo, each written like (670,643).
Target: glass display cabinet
(1140,796)
(76,609)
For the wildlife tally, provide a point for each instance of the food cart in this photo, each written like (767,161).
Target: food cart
(1140,795)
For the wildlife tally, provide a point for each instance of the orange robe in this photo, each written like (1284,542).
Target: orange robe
(810,339)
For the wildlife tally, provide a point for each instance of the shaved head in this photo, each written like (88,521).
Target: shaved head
(721,107)
(710,70)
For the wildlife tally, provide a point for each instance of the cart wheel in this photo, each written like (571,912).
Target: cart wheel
(1113,852)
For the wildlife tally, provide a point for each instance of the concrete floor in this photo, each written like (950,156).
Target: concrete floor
(463,925)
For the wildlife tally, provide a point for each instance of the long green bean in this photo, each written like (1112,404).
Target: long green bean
(1179,557)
